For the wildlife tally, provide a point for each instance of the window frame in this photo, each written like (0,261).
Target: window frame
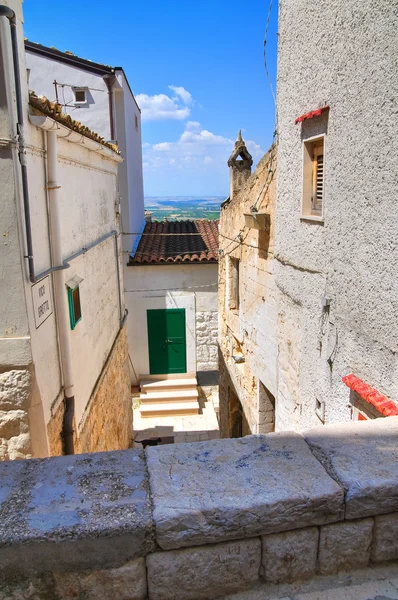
(308,179)
(80,89)
(234,284)
(71,303)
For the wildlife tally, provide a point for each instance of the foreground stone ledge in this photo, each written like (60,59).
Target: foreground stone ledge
(345,545)
(123,583)
(363,458)
(204,572)
(291,555)
(385,538)
(74,512)
(230,489)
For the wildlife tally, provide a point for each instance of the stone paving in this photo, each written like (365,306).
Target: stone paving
(191,428)
(372,583)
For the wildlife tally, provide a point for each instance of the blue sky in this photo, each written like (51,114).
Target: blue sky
(196,68)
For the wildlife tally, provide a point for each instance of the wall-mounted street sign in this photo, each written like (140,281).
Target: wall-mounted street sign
(42,304)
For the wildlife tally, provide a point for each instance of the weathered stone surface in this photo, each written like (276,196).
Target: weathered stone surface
(291,555)
(127,582)
(229,489)
(15,388)
(363,458)
(385,538)
(108,421)
(345,545)
(124,583)
(204,572)
(74,512)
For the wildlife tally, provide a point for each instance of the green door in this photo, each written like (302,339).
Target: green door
(166,341)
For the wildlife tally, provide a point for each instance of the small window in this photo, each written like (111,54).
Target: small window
(80,95)
(233,283)
(75,310)
(136,122)
(313,178)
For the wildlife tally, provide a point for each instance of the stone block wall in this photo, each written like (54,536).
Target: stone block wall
(206,340)
(203,520)
(15,399)
(108,422)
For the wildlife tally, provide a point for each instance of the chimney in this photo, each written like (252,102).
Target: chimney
(148,216)
(240,166)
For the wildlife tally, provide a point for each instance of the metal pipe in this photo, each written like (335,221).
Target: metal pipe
(118,281)
(5,11)
(109,81)
(60,295)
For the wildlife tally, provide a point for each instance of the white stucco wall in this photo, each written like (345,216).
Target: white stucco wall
(43,72)
(343,56)
(158,286)
(87,206)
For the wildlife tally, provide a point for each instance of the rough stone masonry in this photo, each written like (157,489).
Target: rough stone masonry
(202,520)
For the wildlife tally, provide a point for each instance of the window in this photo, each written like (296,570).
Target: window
(233,283)
(80,95)
(75,310)
(136,122)
(313,178)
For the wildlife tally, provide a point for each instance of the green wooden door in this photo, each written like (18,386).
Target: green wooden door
(167,341)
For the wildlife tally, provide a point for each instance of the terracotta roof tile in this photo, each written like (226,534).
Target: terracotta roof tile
(185,241)
(54,110)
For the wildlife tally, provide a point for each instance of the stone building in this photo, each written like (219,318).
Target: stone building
(64,383)
(311,326)
(336,245)
(247,297)
(171,292)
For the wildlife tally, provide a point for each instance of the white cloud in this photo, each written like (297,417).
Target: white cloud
(196,149)
(192,126)
(181,93)
(161,107)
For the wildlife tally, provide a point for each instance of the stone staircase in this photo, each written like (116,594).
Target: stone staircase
(169,395)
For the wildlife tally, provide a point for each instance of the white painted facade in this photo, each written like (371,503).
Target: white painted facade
(345,59)
(43,70)
(192,287)
(88,196)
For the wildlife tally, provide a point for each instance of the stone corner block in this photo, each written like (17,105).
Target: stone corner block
(385,538)
(345,545)
(79,512)
(204,572)
(235,488)
(290,555)
(363,458)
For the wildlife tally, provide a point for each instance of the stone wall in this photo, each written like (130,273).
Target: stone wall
(15,400)
(247,335)
(108,420)
(206,340)
(202,520)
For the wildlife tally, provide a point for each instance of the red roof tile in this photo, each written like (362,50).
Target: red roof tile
(185,241)
(382,403)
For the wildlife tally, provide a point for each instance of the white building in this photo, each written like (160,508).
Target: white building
(336,245)
(100,97)
(171,291)
(63,343)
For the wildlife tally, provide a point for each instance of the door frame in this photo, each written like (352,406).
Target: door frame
(183,336)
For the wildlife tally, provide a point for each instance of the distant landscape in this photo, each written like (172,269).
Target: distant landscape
(179,208)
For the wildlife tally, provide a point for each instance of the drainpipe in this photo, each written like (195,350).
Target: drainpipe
(110,80)
(60,295)
(5,11)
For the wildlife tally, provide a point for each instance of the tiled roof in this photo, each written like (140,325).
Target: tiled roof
(179,245)
(54,110)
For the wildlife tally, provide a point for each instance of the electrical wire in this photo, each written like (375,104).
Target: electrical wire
(265,52)
(175,289)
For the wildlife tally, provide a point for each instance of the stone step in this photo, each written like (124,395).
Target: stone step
(169,396)
(165,385)
(171,409)
(148,377)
